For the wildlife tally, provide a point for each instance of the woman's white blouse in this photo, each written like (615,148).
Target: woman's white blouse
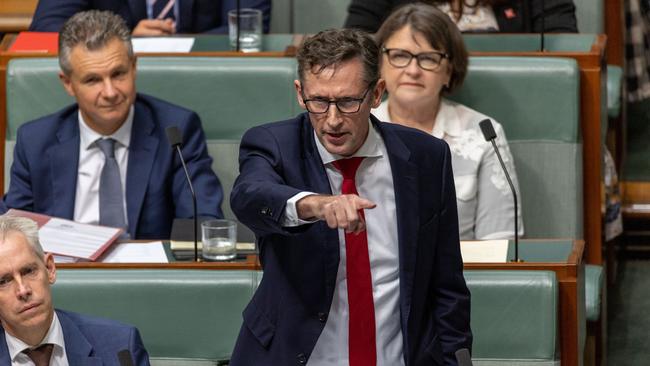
(485,205)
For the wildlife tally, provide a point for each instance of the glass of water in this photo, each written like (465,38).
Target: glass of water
(219,239)
(250,29)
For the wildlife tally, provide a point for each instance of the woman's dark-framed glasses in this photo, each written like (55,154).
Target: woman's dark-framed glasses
(400,58)
(344,105)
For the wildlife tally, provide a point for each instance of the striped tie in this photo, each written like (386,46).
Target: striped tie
(163,9)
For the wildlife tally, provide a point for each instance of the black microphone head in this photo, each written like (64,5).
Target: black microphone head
(487,129)
(462,355)
(124,356)
(174,135)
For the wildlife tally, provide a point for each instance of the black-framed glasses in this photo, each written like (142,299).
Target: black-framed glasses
(400,58)
(344,105)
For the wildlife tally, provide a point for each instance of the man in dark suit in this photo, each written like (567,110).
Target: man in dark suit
(186,16)
(356,223)
(106,159)
(30,328)
(512,16)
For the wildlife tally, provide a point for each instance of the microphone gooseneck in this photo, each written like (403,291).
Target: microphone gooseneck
(175,139)
(490,135)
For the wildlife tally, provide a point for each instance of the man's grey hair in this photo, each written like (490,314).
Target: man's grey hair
(16,224)
(92,29)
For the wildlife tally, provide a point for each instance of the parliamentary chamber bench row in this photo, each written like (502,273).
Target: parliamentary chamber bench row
(537,100)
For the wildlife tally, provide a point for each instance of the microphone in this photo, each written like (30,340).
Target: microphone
(463,358)
(175,139)
(124,357)
(489,134)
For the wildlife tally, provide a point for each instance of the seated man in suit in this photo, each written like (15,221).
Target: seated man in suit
(150,17)
(357,226)
(106,160)
(31,330)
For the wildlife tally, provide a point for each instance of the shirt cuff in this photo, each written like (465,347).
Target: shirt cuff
(290,217)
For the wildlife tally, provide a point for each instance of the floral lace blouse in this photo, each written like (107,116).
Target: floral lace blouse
(485,205)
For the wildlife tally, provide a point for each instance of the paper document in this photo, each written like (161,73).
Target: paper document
(137,253)
(162,44)
(73,239)
(64,259)
(484,251)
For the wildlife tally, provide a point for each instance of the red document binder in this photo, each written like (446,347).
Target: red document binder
(46,42)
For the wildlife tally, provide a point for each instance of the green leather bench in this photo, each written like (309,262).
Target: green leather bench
(192,317)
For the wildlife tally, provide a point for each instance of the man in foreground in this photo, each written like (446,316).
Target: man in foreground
(357,226)
(31,331)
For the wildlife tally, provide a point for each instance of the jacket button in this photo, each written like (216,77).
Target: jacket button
(322,317)
(302,359)
(265,210)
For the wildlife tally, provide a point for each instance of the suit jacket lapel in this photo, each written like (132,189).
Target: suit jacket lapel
(405,182)
(142,152)
(77,347)
(184,24)
(4,351)
(64,163)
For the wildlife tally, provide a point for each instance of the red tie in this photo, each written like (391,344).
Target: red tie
(361,325)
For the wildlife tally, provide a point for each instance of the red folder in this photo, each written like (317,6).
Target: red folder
(46,42)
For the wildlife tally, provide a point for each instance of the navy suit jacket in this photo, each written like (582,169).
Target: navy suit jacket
(289,309)
(514,16)
(46,158)
(196,16)
(92,341)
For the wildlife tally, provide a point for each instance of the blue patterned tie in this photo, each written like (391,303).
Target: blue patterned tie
(111,207)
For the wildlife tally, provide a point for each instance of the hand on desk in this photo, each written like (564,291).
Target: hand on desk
(339,211)
(155,27)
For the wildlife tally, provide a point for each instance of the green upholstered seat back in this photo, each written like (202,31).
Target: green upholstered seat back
(307,16)
(537,102)
(502,325)
(181,314)
(590,15)
(229,94)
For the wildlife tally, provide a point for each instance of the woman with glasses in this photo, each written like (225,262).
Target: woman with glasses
(504,16)
(423,59)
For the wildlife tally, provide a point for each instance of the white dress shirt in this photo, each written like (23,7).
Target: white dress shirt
(54,336)
(483,196)
(374,181)
(91,162)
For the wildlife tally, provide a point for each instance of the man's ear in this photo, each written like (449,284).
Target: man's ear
(377,93)
(298,86)
(50,267)
(67,83)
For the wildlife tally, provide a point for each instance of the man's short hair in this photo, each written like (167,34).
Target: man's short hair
(332,47)
(16,224)
(437,28)
(93,29)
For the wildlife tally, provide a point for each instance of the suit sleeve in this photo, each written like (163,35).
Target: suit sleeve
(452,299)
(209,193)
(20,194)
(136,347)
(263,5)
(368,14)
(50,15)
(260,193)
(556,16)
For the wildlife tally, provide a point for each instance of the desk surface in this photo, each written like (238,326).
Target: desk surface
(16,15)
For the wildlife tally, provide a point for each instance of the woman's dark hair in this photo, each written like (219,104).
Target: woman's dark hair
(437,28)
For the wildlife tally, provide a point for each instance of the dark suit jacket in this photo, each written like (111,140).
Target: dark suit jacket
(196,16)
(92,341)
(46,157)
(514,16)
(289,309)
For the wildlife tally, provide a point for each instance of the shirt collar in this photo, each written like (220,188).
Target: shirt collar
(88,136)
(370,148)
(54,336)
(447,120)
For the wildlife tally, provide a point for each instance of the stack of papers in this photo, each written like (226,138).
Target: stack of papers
(484,251)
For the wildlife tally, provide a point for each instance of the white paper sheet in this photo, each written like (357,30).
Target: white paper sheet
(163,44)
(484,251)
(64,259)
(137,253)
(73,239)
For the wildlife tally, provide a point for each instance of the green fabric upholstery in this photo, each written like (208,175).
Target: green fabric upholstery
(514,317)
(185,316)
(614,82)
(594,283)
(311,16)
(528,42)
(590,15)
(519,92)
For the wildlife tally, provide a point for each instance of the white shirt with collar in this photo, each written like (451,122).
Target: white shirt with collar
(483,196)
(91,162)
(54,336)
(374,181)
